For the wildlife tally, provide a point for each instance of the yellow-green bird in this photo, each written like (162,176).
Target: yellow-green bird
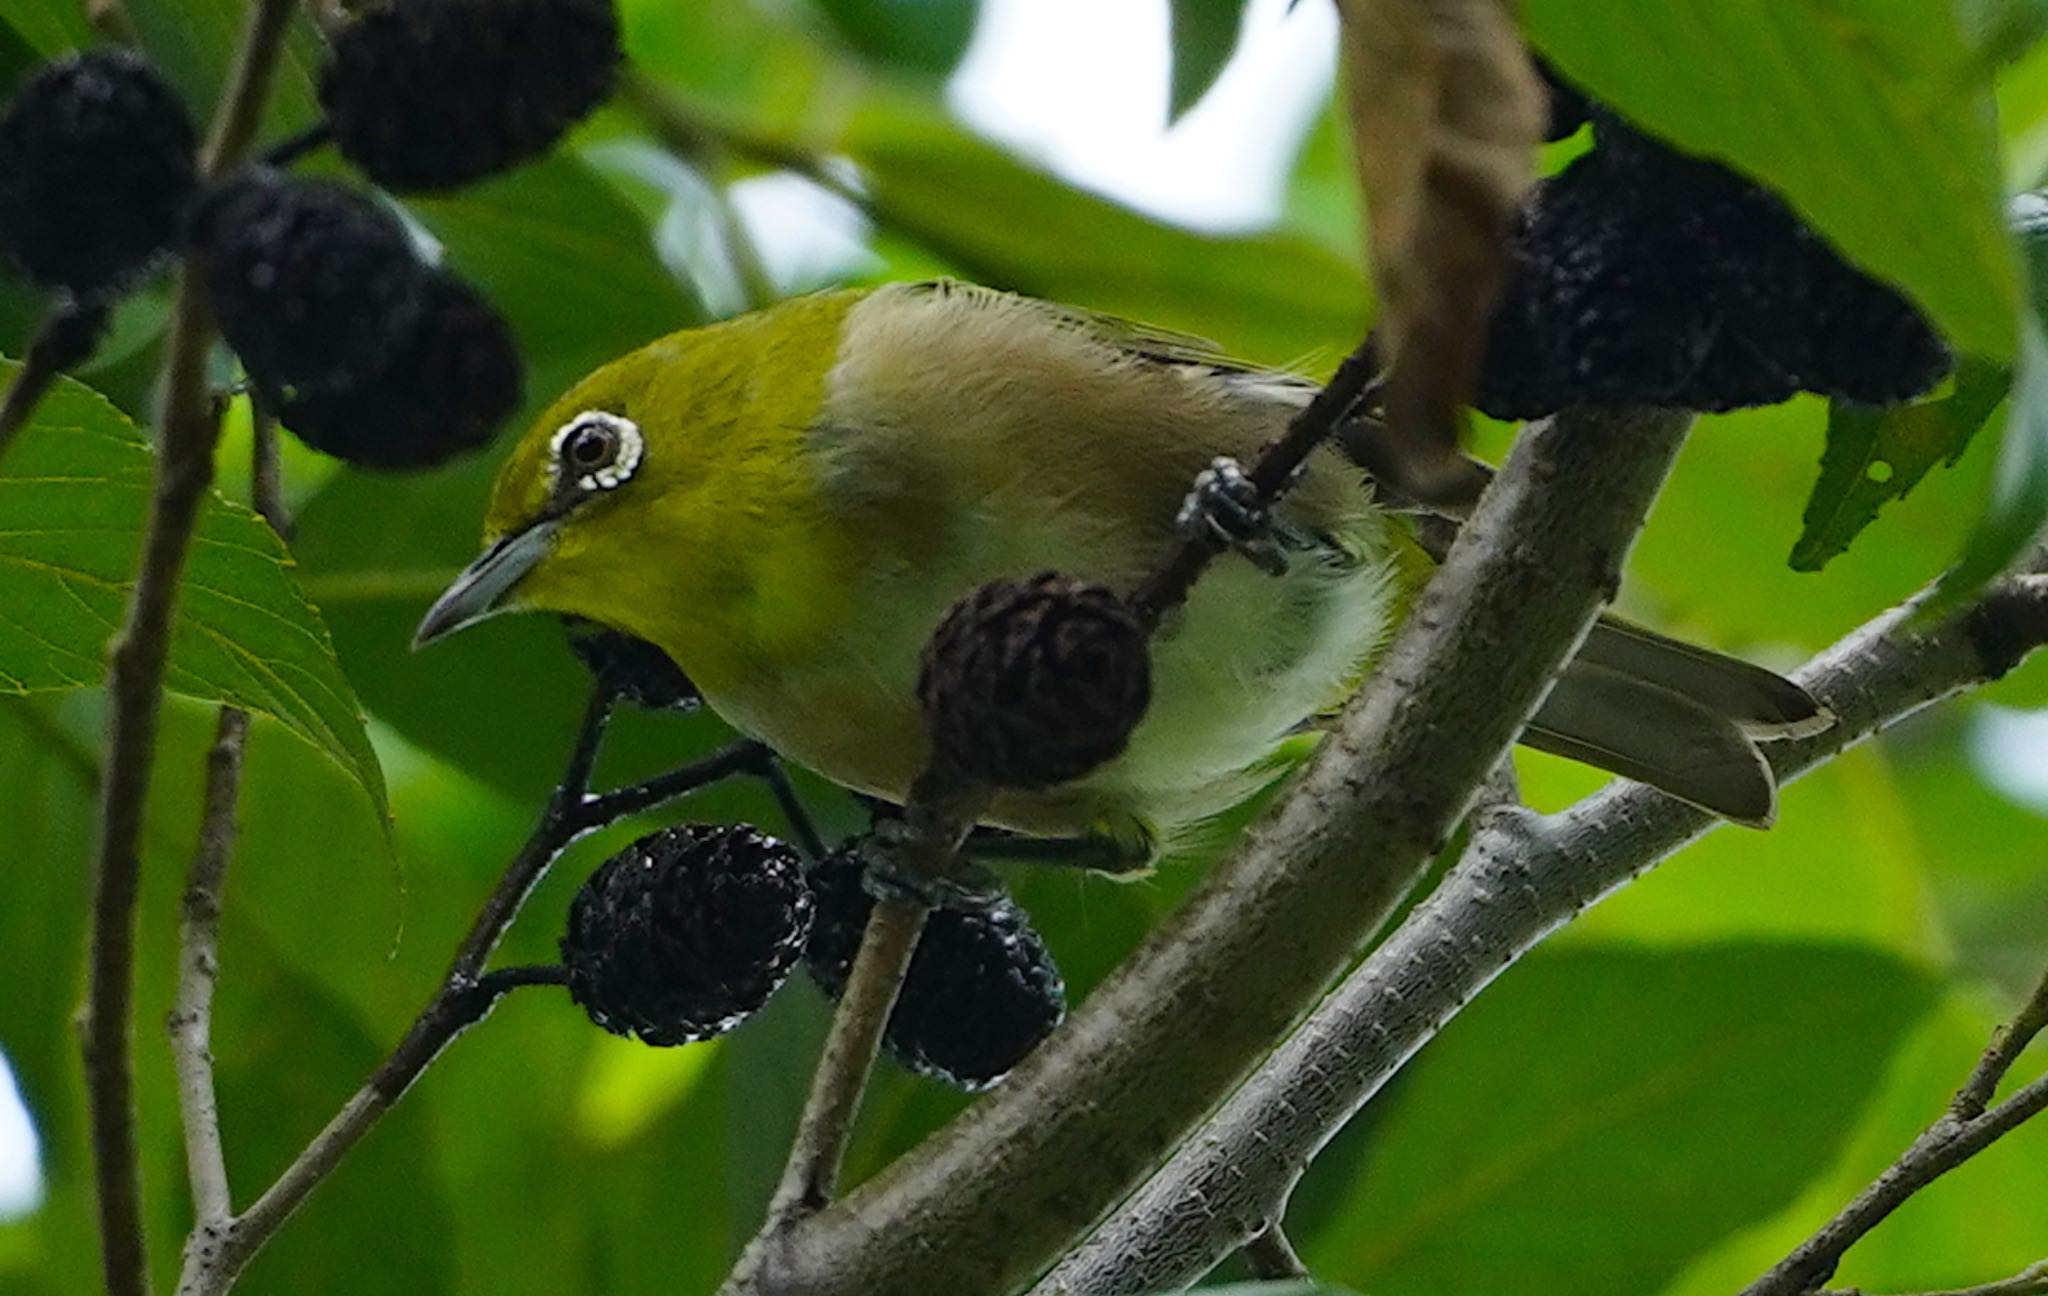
(788,502)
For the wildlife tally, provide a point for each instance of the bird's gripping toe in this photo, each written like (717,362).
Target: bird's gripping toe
(1227,506)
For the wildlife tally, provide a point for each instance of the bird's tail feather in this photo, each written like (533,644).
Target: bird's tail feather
(1680,718)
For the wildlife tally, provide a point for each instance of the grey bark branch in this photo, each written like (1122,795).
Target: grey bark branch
(191,1019)
(1522,877)
(2031,1281)
(1001,1193)
(135,672)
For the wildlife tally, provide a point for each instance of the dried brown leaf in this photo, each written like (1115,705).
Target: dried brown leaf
(1446,111)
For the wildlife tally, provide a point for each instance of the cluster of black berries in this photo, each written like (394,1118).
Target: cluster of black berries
(686,933)
(1642,275)
(356,344)
(1026,683)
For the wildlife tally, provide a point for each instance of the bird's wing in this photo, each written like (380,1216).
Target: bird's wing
(1135,338)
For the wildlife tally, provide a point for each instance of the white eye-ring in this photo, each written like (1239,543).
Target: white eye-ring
(596,450)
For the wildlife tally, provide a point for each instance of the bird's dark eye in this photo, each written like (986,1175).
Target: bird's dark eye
(591,446)
(596,451)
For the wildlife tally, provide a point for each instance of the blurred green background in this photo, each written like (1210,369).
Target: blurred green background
(1662,1101)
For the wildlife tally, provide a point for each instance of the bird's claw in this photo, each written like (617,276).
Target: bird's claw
(968,886)
(1228,507)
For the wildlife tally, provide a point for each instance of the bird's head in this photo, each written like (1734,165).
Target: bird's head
(665,495)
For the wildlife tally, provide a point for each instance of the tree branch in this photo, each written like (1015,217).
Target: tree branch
(187,432)
(191,1019)
(1967,1128)
(2031,1281)
(1521,878)
(1001,1192)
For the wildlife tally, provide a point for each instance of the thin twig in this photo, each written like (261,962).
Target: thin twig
(2006,1047)
(922,848)
(293,147)
(141,648)
(266,473)
(191,1019)
(819,1149)
(1967,1128)
(793,813)
(65,339)
(1271,1257)
(465,994)
(2031,1281)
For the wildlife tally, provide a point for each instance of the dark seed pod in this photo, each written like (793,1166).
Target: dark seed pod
(1641,275)
(981,992)
(1034,682)
(685,933)
(315,286)
(453,380)
(96,170)
(427,95)
(634,669)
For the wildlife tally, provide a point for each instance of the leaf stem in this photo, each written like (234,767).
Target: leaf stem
(65,339)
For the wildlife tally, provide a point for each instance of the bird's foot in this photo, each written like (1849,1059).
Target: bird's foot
(1225,505)
(966,886)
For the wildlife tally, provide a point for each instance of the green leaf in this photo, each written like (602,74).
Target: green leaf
(921,36)
(1614,1111)
(74,494)
(2018,507)
(1204,34)
(1876,455)
(1871,116)
(1273,298)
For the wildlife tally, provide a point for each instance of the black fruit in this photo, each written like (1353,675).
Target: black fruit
(96,171)
(686,932)
(426,95)
(982,990)
(315,285)
(632,668)
(1642,275)
(450,383)
(1034,682)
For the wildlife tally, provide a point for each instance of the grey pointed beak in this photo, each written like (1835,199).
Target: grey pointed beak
(481,588)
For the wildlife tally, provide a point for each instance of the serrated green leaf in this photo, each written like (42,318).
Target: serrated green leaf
(1204,35)
(2018,507)
(921,36)
(1614,1111)
(1872,117)
(1876,455)
(74,494)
